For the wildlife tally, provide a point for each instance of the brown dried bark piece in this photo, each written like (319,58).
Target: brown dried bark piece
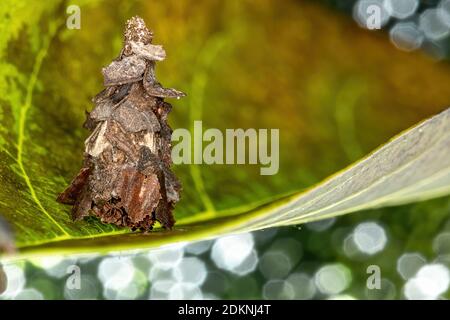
(7,244)
(128,70)
(71,194)
(126,178)
(134,120)
(3,280)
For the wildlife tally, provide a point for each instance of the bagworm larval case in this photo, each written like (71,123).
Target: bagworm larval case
(126,178)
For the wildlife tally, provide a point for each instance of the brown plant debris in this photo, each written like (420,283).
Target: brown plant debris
(7,246)
(126,179)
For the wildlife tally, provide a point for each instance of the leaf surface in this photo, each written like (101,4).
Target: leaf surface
(284,65)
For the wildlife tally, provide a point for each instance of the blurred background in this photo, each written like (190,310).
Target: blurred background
(335,89)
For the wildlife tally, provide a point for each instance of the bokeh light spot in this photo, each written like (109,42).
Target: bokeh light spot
(441,244)
(275,264)
(116,272)
(278,290)
(370,238)
(304,288)
(167,257)
(406,36)
(401,9)
(333,278)
(89,289)
(248,265)
(230,251)
(363,12)
(15,281)
(321,225)
(185,291)
(199,247)
(430,282)
(29,294)
(190,270)
(432,25)
(409,263)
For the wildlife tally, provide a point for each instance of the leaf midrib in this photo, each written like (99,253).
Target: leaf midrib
(22,122)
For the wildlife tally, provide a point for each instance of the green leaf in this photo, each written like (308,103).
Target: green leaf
(283,65)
